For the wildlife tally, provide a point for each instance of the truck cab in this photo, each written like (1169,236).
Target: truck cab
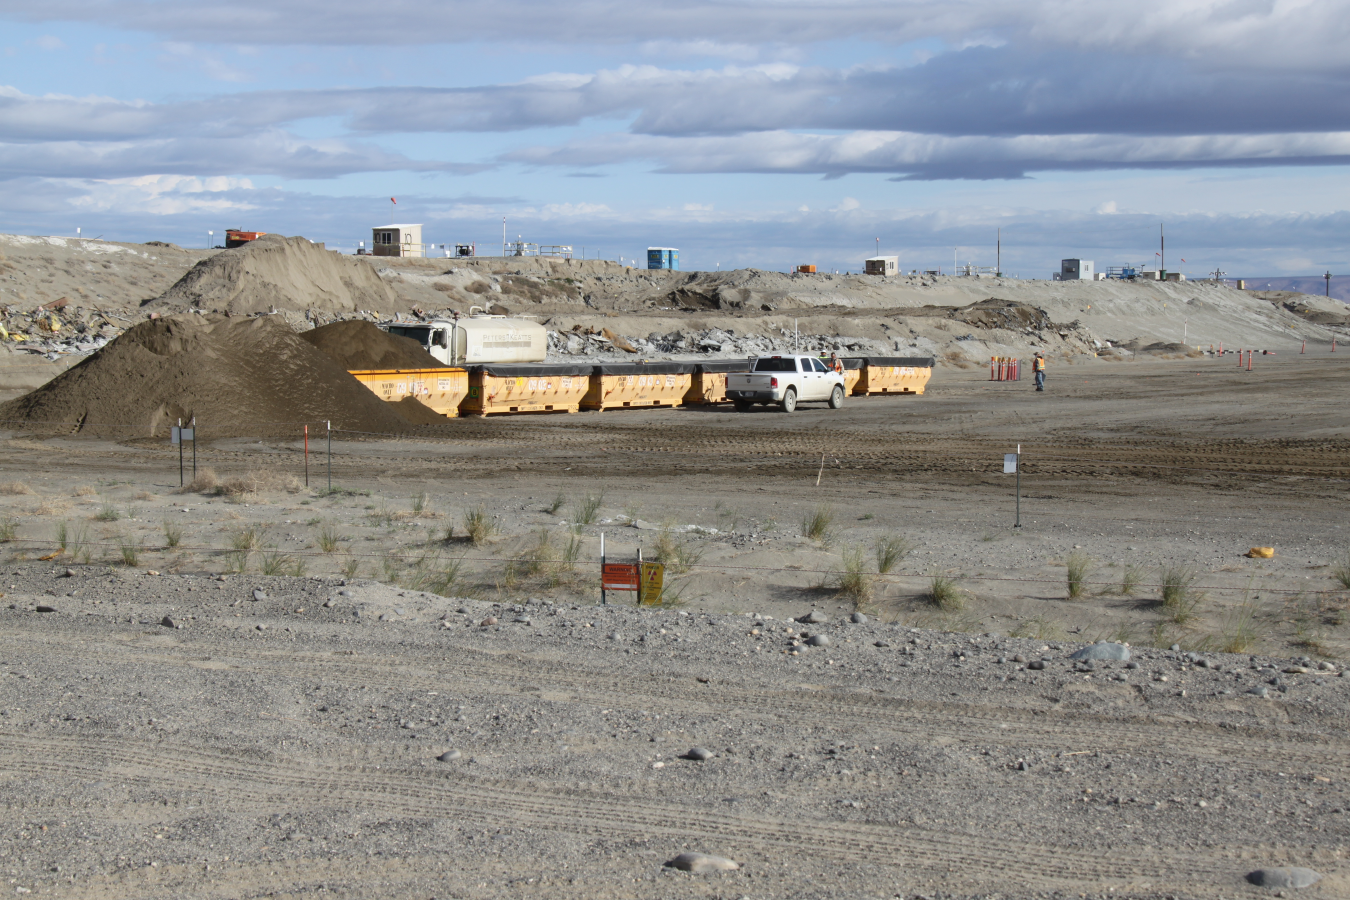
(785,381)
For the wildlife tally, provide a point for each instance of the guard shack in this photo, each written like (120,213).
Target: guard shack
(881,265)
(397,240)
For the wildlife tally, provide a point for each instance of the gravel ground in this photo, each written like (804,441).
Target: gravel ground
(172,736)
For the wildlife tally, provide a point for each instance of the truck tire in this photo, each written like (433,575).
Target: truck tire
(789,403)
(742,405)
(836,397)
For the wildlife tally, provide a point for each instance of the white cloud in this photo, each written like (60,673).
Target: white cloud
(164,195)
(50,42)
(1107,208)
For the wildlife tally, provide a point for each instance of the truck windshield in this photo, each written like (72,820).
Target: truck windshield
(776,365)
(420,334)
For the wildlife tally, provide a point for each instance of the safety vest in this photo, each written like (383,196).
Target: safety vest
(1038,364)
(838,366)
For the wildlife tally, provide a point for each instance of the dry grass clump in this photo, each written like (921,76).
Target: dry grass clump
(1239,632)
(818,523)
(677,556)
(853,581)
(84,490)
(945,593)
(1080,567)
(1178,595)
(478,525)
(15,488)
(253,482)
(891,550)
(1341,571)
(51,507)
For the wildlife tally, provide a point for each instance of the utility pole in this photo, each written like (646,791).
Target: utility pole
(998,259)
(1162,239)
(1328,278)
(503,236)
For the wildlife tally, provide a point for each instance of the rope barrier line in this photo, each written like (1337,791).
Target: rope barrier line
(717,567)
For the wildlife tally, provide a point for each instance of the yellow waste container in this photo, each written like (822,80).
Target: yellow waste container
(894,374)
(440,389)
(852,374)
(709,380)
(621,385)
(523,387)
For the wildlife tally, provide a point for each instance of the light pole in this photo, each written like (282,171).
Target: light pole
(1328,278)
(210,239)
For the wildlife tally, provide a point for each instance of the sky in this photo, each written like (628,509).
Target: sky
(764,133)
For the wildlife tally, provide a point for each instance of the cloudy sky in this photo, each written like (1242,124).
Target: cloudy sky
(755,133)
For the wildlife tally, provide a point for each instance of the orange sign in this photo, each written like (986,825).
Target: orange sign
(619,577)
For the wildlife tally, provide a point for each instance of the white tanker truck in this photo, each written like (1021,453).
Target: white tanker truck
(479,338)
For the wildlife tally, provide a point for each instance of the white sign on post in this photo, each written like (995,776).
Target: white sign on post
(175,435)
(1009,463)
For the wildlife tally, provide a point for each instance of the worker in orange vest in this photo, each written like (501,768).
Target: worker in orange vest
(1038,367)
(836,364)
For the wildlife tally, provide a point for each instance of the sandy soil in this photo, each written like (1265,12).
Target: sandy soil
(286,747)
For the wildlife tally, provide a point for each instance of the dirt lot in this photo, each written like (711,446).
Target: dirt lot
(287,747)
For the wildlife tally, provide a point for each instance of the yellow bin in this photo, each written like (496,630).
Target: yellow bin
(520,388)
(853,370)
(709,380)
(441,389)
(619,385)
(894,374)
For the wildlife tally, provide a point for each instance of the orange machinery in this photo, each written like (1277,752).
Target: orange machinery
(236,238)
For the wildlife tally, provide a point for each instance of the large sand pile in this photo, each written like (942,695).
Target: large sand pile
(356,345)
(276,273)
(234,375)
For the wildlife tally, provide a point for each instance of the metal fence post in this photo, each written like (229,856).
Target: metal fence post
(330,456)
(603,600)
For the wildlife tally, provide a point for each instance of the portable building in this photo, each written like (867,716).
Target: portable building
(663,258)
(1076,270)
(882,265)
(806,270)
(237,238)
(397,240)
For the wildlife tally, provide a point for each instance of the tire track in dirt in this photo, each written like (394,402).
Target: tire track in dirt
(488,674)
(263,785)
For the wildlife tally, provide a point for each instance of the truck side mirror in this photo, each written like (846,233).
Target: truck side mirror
(440,339)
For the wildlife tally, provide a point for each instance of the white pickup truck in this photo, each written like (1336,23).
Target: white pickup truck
(786,381)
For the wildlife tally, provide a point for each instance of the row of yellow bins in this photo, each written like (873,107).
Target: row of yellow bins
(493,389)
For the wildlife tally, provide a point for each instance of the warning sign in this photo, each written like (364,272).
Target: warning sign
(619,577)
(653,581)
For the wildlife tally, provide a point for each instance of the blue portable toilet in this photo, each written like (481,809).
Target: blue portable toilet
(663,258)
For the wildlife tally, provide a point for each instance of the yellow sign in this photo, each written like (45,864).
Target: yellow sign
(653,582)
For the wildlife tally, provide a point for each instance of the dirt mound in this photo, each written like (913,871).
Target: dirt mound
(356,345)
(417,412)
(279,273)
(236,376)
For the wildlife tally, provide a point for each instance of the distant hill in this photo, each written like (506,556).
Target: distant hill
(1304,284)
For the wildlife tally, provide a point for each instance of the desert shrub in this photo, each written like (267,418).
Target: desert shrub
(478,525)
(15,488)
(853,581)
(945,593)
(1079,567)
(1178,594)
(891,550)
(588,508)
(818,523)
